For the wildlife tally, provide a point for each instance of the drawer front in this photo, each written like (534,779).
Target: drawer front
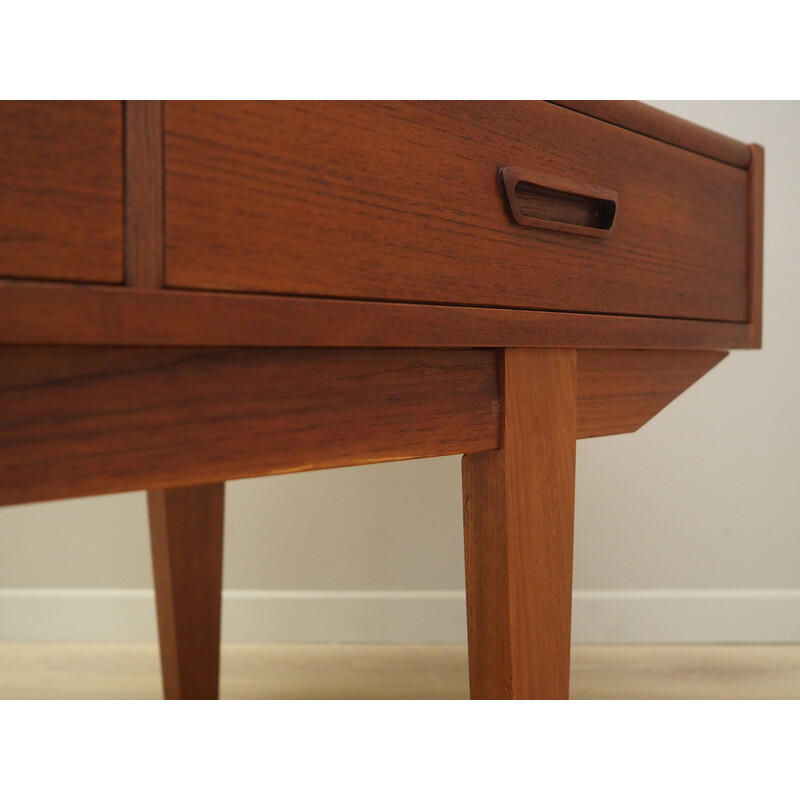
(404,201)
(61,191)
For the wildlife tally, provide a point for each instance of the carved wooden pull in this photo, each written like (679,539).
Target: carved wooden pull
(544,201)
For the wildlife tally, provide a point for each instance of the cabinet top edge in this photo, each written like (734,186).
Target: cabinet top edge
(656,124)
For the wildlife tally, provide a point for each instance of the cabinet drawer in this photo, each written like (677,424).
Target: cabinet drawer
(403,201)
(61,191)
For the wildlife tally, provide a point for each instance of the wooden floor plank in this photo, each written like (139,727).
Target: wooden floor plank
(31,670)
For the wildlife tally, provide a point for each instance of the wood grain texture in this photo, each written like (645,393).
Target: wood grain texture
(186,533)
(127,671)
(144,193)
(540,201)
(52,314)
(665,127)
(518,525)
(61,190)
(401,201)
(79,421)
(755,239)
(620,390)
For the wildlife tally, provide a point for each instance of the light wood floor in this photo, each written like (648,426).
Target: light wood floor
(45,670)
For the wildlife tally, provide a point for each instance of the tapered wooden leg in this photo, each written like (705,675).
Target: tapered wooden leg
(518,526)
(186,538)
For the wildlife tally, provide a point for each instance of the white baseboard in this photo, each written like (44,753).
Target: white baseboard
(247,616)
(413,616)
(690,616)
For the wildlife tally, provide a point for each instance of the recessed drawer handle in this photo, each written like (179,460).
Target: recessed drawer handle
(543,201)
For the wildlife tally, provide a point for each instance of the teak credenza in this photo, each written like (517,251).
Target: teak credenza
(192,292)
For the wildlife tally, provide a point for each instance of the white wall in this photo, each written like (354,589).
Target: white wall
(688,530)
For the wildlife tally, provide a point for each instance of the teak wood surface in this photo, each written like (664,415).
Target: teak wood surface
(664,127)
(301,286)
(402,201)
(82,421)
(144,194)
(186,540)
(61,191)
(518,519)
(54,314)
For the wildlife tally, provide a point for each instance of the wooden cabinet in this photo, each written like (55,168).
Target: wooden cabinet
(309,285)
(402,201)
(61,207)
